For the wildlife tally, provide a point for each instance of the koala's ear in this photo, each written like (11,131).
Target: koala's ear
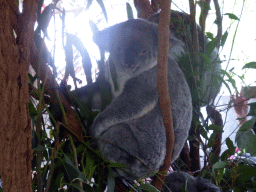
(102,39)
(105,37)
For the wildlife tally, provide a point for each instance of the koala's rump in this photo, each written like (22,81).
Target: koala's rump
(140,144)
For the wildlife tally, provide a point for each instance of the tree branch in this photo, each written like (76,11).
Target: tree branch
(143,8)
(162,86)
(219,22)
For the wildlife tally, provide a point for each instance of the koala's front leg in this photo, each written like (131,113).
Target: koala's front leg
(133,103)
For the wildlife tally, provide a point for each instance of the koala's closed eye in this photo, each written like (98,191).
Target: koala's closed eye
(143,53)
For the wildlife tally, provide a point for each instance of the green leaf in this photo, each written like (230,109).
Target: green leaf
(209,35)
(230,79)
(111,181)
(232,16)
(211,140)
(204,133)
(218,165)
(226,154)
(245,173)
(213,158)
(72,172)
(76,185)
(247,125)
(252,111)
(250,65)
(230,145)
(129,11)
(216,128)
(90,165)
(210,46)
(100,2)
(32,109)
(117,165)
(39,148)
(224,38)
(148,188)
(206,59)
(247,141)
(225,83)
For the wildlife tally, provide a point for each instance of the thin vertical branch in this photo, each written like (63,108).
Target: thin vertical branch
(194,144)
(202,19)
(219,22)
(162,86)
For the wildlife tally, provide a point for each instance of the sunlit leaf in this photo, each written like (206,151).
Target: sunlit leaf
(230,79)
(250,65)
(232,16)
(210,46)
(129,11)
(89,3)
(102,6)
(209,35)
(224,38)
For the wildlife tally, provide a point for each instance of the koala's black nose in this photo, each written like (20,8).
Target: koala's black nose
(129,60)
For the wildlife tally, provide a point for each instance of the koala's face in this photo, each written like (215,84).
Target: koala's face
(132,46)
(133,52)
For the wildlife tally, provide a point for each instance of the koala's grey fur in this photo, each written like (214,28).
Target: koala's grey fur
(130,130)
(175,181)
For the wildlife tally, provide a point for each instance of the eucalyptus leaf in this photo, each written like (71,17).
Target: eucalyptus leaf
(250,65)
(102,6)
(232,16)
(129,11)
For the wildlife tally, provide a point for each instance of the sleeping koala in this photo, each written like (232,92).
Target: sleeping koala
(175,182)
(131,130)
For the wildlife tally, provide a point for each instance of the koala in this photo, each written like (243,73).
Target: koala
(175,181)
(131,130)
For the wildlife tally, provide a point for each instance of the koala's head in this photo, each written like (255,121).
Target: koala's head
(133,45)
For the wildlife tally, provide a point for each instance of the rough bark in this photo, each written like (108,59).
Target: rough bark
(15,124)
(144,8)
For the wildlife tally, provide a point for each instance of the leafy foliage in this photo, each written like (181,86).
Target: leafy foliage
(67,163)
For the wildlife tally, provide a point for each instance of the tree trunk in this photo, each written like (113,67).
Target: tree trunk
(15,124)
